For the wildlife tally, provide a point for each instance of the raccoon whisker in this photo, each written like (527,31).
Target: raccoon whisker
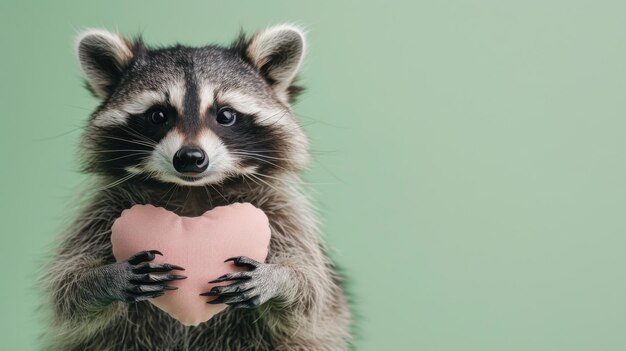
(139,142)
(281,117)
(167,192)
(79,107)
(121,157)
(141,138)
(286,180)
(151,174)
(251,179)
(222,195)
(144,162)
(121,150)
(59,135)
(208,195)
(260,141)
(182,209)
(263,160)
(305,124)
(282,111)
(332,174)
(256,113)
(134,133)
(255,175)
(297,127)
(117,182)
(245,181)
(146,176)
(323,152)
(256,151)
(270,177)
(172,194)
(244,153)
(137,134)
(313,120)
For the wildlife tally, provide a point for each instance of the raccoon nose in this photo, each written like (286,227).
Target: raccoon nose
(190,159)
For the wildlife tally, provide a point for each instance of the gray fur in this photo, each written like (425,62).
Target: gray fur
(303,306)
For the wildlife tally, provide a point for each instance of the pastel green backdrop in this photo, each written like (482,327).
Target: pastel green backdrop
(469,164)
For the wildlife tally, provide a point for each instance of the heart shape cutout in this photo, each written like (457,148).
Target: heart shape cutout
(198,244)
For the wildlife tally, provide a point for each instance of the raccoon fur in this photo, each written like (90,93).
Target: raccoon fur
(188,129)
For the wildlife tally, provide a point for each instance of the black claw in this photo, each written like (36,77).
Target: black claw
(243,261)
(219,280)
(236,298)
(229,290)
(143,256)
(173,266)
(216,301)
(209,293)
(167,287)
(156,268)
(148,278)
(231,276)
(145,297)
(148,289)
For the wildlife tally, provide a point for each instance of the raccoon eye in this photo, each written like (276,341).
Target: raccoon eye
(157,116)
(226,116)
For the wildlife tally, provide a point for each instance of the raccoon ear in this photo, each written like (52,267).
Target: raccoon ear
(103,56)
(277,52)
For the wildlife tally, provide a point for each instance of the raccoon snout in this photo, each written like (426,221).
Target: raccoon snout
(190,159)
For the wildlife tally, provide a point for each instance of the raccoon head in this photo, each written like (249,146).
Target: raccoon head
(193,115)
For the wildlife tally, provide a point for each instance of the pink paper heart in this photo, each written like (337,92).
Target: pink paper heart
(199,244)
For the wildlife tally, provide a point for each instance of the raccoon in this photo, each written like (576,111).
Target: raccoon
(188,129)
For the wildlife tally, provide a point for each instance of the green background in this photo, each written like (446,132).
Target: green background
(469,163)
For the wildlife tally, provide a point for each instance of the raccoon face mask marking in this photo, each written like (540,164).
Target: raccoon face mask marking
(162,113)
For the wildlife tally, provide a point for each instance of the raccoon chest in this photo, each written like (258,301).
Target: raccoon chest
(190,203)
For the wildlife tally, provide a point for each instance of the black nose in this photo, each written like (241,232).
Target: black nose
(190,159)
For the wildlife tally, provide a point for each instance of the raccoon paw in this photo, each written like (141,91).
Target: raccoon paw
(138,279)
(250,289)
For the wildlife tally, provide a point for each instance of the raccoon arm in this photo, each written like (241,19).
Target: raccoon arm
(78,304)
(313,311)
(309,288)
(76,278)
(309,296)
